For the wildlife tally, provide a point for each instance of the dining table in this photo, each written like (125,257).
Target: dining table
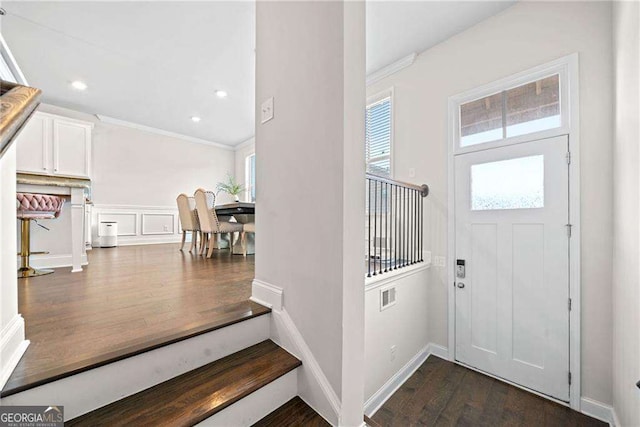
(242,212)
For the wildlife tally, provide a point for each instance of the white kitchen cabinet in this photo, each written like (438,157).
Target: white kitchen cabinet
(55,145)
(33,145)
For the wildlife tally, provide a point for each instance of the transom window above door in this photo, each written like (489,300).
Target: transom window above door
(524,107)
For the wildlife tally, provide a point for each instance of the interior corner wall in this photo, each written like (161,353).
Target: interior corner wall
(523,36)
(626,231)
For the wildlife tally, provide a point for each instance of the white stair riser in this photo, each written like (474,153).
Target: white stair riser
(92,389)
(258,404)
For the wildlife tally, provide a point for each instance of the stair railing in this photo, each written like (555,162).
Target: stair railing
(394,226)
(17,103)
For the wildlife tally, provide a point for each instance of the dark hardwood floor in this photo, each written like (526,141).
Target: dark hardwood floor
(127,300)
(441,393)
(294,413)
(192,397)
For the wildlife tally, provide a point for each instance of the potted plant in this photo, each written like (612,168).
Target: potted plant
(230,186)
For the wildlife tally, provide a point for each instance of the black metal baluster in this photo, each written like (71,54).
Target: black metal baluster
(415,226)
(381,227)
(395,236)
(386,226)
(406,229)
(375,223)
(369,224)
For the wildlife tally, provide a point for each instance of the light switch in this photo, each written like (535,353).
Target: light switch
(267,110)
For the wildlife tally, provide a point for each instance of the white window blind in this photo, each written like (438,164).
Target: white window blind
(378,137)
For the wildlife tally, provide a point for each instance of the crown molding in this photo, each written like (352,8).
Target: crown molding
(111,120)
(390,69)
(246,143)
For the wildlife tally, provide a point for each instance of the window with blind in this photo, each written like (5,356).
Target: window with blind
(378,137)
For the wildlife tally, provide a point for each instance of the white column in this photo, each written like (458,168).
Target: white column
(77,229)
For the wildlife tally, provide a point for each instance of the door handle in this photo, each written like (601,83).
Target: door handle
(460,285)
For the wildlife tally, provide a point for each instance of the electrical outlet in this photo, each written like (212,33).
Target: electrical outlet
(439,261)
(393,353)
(166,228)
(267,110)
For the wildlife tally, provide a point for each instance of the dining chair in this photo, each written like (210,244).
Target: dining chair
(249,227)
(188,220)
(210,224)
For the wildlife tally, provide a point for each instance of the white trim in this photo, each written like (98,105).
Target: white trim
(151,233)
(390,69)
(266,294)
(386,278)
(437,350)
(55,261)
(560,66)
(570,64)
(598,410)
(12,347)
(11,62)
(246,143)
(378,399)
(317,388)
(113,121)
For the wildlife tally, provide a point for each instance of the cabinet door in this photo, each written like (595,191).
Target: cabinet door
(71,148)
(32,145)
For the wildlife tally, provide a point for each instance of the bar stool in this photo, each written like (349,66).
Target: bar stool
(28,207)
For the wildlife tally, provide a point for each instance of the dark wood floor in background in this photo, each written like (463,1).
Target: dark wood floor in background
(294,413)
(125,300)
(442,393)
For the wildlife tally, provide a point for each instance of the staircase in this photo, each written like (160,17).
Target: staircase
(231,376)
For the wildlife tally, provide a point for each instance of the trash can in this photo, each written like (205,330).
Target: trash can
(108,234)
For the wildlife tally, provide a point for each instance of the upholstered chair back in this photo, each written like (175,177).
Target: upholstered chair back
(205,202)
(187,212)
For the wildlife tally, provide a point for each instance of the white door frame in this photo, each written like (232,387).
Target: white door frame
(568,67)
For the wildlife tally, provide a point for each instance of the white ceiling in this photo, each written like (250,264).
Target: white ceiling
(159,63)
(396,29)
(151,63)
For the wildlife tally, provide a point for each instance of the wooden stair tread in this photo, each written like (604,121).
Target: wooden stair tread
(371,423)
(196,395)
(219,318)
(293,413)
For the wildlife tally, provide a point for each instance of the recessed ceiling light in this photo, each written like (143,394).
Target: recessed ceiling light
(195,119)
(221,94)
(79,85)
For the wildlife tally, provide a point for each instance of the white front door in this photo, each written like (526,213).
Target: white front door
(512,305)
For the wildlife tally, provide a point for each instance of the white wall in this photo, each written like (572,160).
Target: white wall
(626,191)
(310,58)
(136,175)
(521,37)
(242,151)
(403,325)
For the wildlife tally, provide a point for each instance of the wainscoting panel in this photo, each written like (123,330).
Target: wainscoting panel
(138,225)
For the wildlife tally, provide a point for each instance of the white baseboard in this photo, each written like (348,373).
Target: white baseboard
(378,399)
(438,350)
(599,410)
(12,347)
(53,261)
(266,294)
(313,386)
